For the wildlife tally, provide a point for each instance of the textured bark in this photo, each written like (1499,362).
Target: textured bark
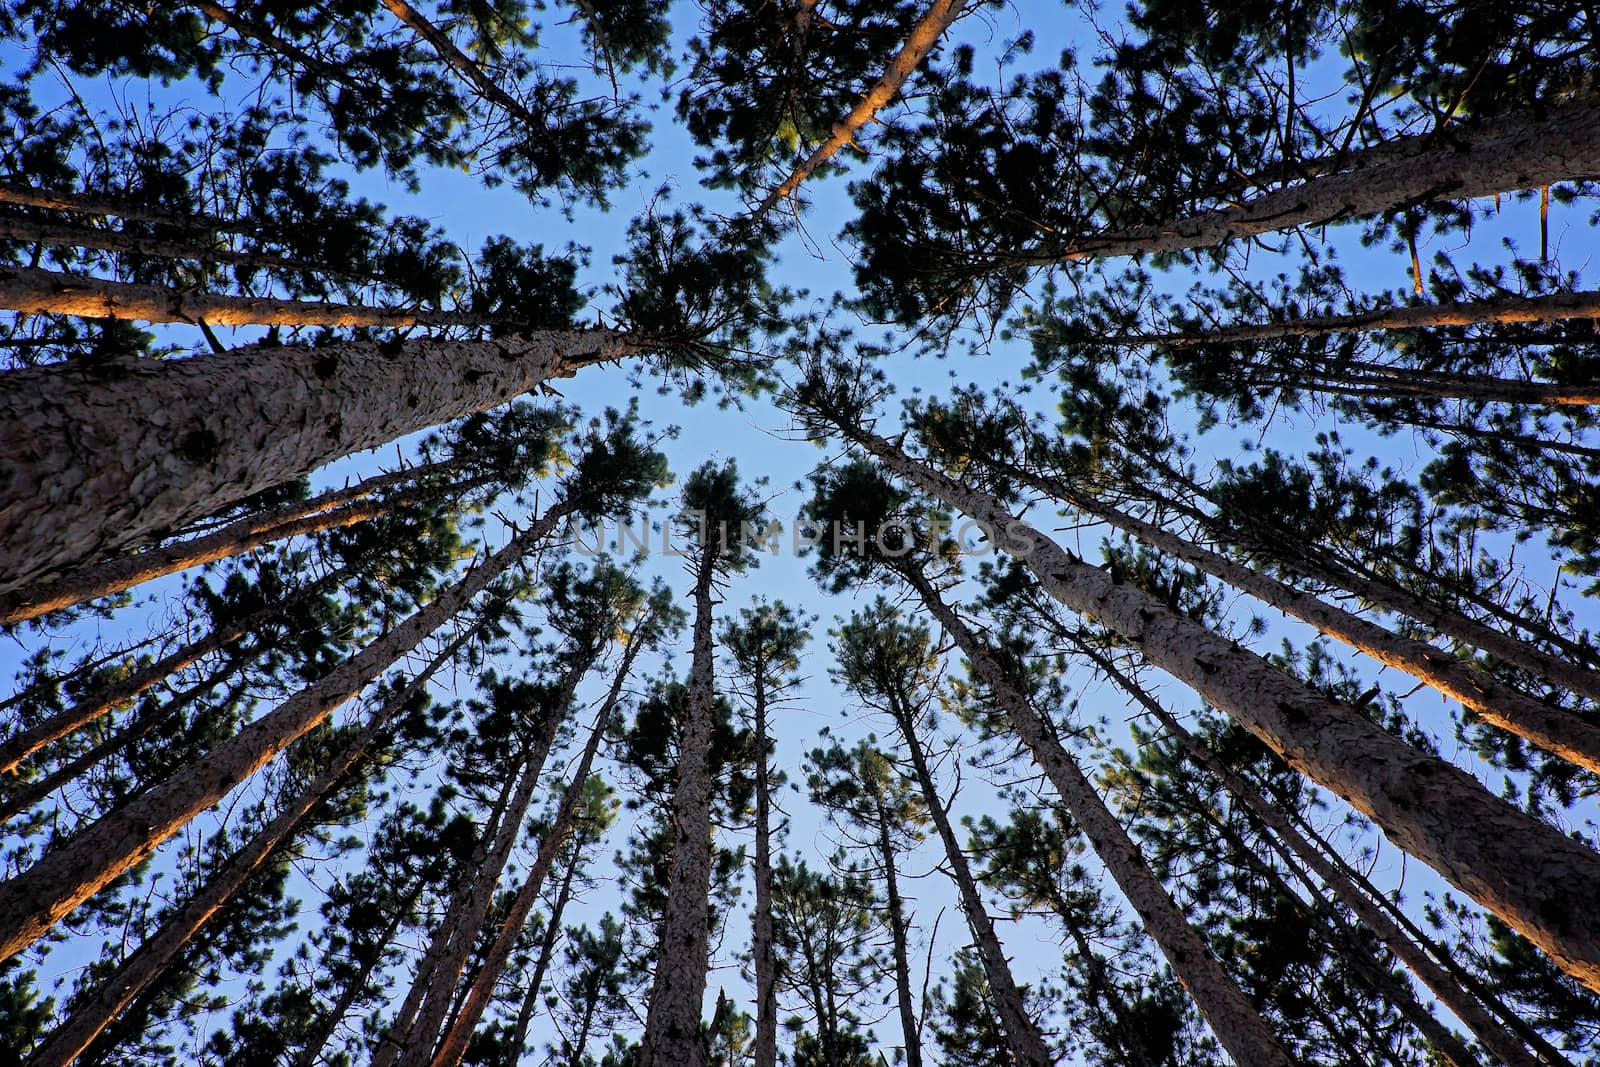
(89,204)
(672,1036)
(1238,1026)
(454,1044)
(331,510)
(1296,850)
(61,235)
(43,292)
(1442,956)
(32,902)
(1023,1039)
(95,460)
(158,952)
(20,747)
(1555,307)
(1552,729)
(1521,152)
(763,957)
(1543,884)
(923,36)
(909,1031)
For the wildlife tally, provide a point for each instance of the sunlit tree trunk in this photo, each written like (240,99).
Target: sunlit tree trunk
(32,902)
(1542,883)
(1520,152)
(42,292)
(922,39)
(1235,1021)
(159,951)
(672,1036)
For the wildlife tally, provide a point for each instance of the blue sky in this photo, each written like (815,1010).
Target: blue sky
(760,438)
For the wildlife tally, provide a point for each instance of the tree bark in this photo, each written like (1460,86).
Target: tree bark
(43,292)
(672,1036)
(60,235)
(454,1044)
(924,35)
(96,460)
(89,204)
(1022,1035)
(763,956)
(331,510)
(32,902)
(1294,847)
(1552,729)
(1524,151)
(897,933)
(1235,1021)
(159,951)
(1555,307)
(1543,884)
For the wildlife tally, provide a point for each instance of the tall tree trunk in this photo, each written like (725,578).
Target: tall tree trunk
(924,35)
(61,235)
(93,461)
(454,1044)
(1297,850)
(1281,546)
(1235,1021)
(1519,152)
(159,951)
(1384,382)
(43,292)
(32,902)
(672,1036)
(1552,729)
(1554,307)
(335,508)
(89,204)
(98,702)
(1022,1035)
(763,956)
(393,1040)
(1542,883)
(909,1030)
(444,987)
(92,706)
(142,726)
